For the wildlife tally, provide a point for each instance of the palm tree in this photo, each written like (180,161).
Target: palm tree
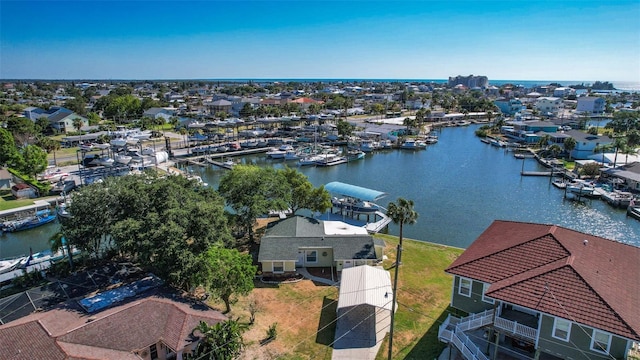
(569,145)
(222,341)
(602,148)
(57,242)
(619,144)
(400,213)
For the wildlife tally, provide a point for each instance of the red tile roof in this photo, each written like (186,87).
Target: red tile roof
(558,271)
(66,332)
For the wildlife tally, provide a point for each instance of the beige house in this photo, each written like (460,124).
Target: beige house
(305,242)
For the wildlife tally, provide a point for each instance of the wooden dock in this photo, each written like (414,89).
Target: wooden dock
(218,163)
(539,173)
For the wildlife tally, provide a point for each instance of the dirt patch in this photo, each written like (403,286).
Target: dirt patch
(297,309)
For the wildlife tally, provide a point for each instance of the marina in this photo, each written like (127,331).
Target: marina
(459,186)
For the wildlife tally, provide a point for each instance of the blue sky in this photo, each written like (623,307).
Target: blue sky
(525,40)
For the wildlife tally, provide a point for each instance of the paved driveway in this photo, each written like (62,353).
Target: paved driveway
(359,332)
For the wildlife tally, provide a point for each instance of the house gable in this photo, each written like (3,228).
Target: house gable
(587,278)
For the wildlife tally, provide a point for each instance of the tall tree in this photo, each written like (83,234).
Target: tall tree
(303,194)
(569,145)
(253,191)
(34,160)
(50,145)
(401,212)
(8,150)
(227,272)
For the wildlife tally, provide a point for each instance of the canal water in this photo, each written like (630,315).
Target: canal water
(459,186)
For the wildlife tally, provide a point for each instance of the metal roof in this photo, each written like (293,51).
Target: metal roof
(365,285)
(354,191)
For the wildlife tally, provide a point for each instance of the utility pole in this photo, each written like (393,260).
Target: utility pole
(395,296)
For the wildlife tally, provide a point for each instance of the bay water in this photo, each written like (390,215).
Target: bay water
(459,186)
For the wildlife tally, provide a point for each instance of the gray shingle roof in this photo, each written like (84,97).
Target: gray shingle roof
(283,239)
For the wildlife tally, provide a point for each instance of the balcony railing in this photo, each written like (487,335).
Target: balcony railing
(452,330)
(515,328)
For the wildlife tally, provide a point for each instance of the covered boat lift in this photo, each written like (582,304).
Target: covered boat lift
(358,201)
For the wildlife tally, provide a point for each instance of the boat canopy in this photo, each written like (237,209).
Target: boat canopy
(354,191)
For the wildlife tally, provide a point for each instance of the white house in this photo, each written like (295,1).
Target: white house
(590,104)
(160,112)
(549,105)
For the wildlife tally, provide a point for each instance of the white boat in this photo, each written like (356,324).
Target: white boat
(101,146)
(280,152)
(123,159)
(411,144)
(330,160)
(54,176)
(582,188)
(309,160)
(559,183)
(386,144)
(105,161)
(355,205)
(7,265)
(291,155)
(86,146)
(368,145)
(121,141)
(431,139)
(497,143)
(353,155)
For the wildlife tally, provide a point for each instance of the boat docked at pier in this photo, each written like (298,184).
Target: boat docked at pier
(41,217)
(412,144)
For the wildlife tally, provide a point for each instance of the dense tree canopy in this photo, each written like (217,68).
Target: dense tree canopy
(162,223)
(302,193)
(222,341)
(226,272)
(253,191)
(8,151)
(34,160)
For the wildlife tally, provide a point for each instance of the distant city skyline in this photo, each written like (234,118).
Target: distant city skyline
(147,40)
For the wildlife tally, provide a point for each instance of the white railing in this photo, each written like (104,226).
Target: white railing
(515,328)
(448,333)
(475,321)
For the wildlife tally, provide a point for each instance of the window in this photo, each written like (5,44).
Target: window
(561,329)
(484,291)
(153,350)
(312,256)
(600,341)
(278,267)
(464,287)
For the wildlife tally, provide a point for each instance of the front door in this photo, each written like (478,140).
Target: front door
(300,260)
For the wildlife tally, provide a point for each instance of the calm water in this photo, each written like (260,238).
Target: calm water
(459,186)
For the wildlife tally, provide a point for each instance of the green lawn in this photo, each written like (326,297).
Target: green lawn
(7,201)
(306,313)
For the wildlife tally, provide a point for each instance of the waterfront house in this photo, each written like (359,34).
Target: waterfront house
(586,143)
(549,105)
(548,291)
(509,107)
(590,104)
(60,118)
(528,131)
(628,175)
(148,327)
(305,242)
